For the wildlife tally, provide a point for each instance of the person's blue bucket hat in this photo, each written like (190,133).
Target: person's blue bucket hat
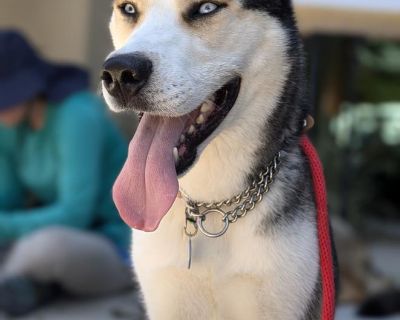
(24,75)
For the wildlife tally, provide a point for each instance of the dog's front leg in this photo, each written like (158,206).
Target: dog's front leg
(238,298)
(177,294)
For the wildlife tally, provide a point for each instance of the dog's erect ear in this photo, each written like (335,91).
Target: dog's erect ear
(281,9)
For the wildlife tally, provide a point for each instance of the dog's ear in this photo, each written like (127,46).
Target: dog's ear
(281,9)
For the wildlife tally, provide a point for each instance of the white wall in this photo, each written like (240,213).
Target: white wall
(63,30)
(57,27)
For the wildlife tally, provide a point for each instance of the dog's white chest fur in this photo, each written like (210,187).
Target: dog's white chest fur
(246,274)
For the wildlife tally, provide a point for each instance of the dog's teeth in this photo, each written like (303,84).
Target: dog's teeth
(207,107)
(200,119)
(192,129)
(183,139)
(176,154)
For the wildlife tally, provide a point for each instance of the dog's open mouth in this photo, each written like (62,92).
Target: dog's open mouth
(164,148)
(203,122)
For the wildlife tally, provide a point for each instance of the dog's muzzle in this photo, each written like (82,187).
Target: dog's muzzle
(125,75)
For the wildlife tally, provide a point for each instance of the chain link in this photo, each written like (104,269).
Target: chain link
(196,212)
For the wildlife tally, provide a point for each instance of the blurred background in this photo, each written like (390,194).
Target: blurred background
(353,54)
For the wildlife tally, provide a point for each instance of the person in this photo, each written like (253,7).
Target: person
(59,156)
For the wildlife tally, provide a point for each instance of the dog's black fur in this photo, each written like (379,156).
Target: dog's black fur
(281,9)
(283,131)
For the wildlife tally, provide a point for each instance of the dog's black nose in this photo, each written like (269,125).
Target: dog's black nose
(126,75)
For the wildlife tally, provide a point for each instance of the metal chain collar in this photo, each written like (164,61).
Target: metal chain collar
(197,212)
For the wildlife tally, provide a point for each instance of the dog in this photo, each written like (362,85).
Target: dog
(221,89)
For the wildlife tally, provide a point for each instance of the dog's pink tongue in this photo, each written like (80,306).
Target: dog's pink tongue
(148,185)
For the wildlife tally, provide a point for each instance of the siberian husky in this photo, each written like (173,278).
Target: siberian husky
(220,86)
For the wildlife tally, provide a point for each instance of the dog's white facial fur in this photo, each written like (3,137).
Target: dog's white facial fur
(194,59)
(191,60)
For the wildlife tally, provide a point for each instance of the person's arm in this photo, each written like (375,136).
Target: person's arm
(12,195)
(79,153)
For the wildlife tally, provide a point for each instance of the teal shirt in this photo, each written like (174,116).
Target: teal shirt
(69,166)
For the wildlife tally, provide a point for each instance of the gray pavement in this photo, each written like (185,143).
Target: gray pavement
(114,308)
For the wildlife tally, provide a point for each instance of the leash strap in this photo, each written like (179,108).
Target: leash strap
(324,234)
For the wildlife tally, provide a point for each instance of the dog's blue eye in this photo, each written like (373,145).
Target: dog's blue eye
(128,9)
(203,10)
(207,8)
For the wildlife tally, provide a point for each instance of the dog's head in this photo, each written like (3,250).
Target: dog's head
(194,69)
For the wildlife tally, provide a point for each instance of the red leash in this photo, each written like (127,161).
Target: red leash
(324,235)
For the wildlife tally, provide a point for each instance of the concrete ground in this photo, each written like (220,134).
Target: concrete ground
(120,308)
(113,308)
